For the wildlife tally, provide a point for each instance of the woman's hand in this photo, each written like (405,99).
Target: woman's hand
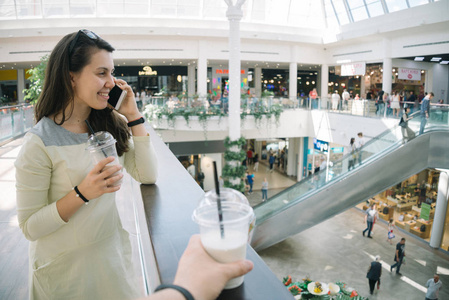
(129,106)
(100,180)
(204,277)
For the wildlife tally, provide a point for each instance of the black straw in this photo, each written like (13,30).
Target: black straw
(95,137)
(217,189)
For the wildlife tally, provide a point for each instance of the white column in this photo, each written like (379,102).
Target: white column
(387,80)
(191,79)
(292,82)
(440,211)
(258,81)
(300,162)
(362,86)
(324,85)
(20,85)
(294,149)
(234,14)
(201,80)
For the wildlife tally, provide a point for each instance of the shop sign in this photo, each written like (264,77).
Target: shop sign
(353,69)
(147,71)
(226,71)
(321,145)
(409,74)
(425,211)
(337,149)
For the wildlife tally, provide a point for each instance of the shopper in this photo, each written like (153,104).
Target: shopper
(345,96)
(256,162)
(399,256)
(395,104)
(335,100)
(352,149)
(407,133)
(390,234)
(196,268)
(360,142)
(374,273)
(271,162)
(425,111)
(434,286)
(380,104)
(249,156)
(250,178)
(80,251)
(313,97)
(264,190)
(369,220)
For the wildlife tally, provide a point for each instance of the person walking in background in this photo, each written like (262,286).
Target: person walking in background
(380,104)
(249,156)
(256,162)
(359,144)
(425,111)
(374,273)
(264,190)
(271,162)
(395,104)
(399,256)
(434,286)
(335,100)
(390,234)
(352,149)
(313,97)
(407,133)
(345,96)
(369,220)
(250,178)
(411,102)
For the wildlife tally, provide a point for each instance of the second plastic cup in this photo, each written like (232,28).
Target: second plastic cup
(102,145)
(225,241)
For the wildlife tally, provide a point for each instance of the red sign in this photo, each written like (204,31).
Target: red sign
(226,71)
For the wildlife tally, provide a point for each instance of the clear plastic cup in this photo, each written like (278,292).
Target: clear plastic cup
(225,241)
(230,195)
(101,145)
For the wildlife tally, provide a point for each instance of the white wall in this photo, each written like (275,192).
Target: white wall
(440,82)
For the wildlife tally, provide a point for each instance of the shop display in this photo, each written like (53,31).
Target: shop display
(316,290)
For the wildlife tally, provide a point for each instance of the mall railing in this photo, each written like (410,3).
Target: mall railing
(373,149)
(15,120)
(168,207)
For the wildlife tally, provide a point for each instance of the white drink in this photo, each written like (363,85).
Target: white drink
(229,249)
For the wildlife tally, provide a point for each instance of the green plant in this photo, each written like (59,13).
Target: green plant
(37,76)
(233,171)
(267,93)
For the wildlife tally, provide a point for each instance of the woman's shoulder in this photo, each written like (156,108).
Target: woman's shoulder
(52,134)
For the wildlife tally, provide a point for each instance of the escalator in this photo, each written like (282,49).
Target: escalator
(386,161)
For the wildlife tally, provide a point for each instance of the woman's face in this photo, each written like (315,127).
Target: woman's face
(92,84)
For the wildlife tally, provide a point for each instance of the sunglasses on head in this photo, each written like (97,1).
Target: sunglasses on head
(88,33)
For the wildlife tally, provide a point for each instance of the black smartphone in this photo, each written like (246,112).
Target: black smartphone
(116,96)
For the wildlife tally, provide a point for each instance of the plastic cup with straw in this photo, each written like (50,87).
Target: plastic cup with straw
(95,137)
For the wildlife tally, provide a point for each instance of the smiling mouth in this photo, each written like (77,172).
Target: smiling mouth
(106,95)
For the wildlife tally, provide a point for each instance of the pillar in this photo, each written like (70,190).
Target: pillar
(387,80)
(293,157)
(324,85)
(201,80)
(191,80)
(293,81)
(362,86)
(258,81)
(20,85)
(234,14)
(440,211)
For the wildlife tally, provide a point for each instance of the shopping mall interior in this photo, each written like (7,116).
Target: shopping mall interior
(297,79)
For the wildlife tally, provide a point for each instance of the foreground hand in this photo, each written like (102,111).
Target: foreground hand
(202,276)
(100,181)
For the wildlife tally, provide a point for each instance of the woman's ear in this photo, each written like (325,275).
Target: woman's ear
(72,79)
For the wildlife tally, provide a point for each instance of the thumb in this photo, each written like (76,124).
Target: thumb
(239,268)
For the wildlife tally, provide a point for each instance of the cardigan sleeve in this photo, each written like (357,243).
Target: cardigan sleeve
(37,217)
(141,160)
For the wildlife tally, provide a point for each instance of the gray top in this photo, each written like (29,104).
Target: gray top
(433,289)
(264,185)
(370,214)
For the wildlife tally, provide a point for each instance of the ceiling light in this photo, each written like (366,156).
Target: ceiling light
(444,62)
(419,58)
(343,61)
(435,59)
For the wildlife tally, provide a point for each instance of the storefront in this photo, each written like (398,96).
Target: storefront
(155,79)
(412,204)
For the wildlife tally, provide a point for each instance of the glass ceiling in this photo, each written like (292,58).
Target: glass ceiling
(297,13)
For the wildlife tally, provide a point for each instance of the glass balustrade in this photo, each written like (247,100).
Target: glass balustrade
(15,120)
(374,149)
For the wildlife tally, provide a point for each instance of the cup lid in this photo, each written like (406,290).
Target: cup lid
(226,194)
(246,214)
(100,139)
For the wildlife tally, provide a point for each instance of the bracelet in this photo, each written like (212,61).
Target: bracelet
(136,122)
(182,290)
(78,194)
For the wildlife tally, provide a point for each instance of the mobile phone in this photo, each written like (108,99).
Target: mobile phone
(116,96)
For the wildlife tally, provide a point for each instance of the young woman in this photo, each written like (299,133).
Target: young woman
(407,133)
(390,234)
(352,149)
(395,104)
(79,251)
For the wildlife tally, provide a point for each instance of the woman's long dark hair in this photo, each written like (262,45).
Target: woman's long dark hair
(57,93)
(351,142)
